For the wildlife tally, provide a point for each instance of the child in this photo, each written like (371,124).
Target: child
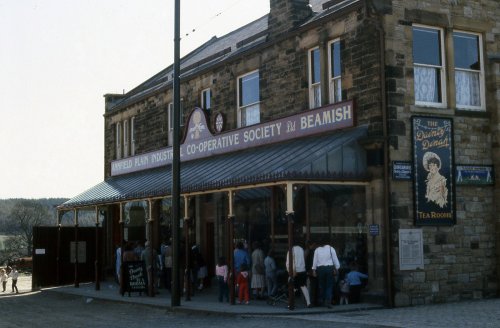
(354,277)
(3,279)
(221,271)
(242,284)
(344,291)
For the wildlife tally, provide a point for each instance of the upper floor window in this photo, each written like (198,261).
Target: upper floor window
(132,136)
(170,123)
(248,99)
(314,79)
(206,99)
(429,66)
(335,63)
(125,138)
(118,139)
(469,71)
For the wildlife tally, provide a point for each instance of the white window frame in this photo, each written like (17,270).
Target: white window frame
(442,70)
(255,106)
(132,136)
(125,138)
(482,86)
(203,98)
(334,80)
(118,137)
(314,88)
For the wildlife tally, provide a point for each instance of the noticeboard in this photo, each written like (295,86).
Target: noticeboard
(135,277)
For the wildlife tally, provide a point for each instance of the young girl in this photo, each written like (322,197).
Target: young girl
(242,284)
(3,279)
(221,274)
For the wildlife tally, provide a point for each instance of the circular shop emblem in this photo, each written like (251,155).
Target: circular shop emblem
(219,122)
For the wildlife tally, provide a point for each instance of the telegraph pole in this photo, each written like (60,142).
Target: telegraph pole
(176,295)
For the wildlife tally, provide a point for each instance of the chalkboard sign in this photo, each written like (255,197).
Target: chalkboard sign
(135,277)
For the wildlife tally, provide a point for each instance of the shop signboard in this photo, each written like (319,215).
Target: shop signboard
(434,182)
(135,278)
(200,142)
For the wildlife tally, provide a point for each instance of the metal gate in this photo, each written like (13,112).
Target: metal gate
(65,255)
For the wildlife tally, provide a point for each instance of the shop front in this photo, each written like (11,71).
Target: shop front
(301,180)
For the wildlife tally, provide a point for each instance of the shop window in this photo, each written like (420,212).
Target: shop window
(335,68)
(248,99)
(429,66)
(118,140)
(469,71)
(314,79)
(206,99)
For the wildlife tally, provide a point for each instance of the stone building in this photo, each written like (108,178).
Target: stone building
(371,124)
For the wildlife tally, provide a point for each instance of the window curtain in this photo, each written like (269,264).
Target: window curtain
(425,84)
(316,96)
(467,88)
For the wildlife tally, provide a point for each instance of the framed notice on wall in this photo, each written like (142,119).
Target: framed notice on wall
(434,182)
(411,249)
(476,175)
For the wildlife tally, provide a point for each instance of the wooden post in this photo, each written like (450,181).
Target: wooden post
(58,250)
(122,246)
(77,282)
(96,266)
(187,255)
(230,250)
(152,269)
(289,217)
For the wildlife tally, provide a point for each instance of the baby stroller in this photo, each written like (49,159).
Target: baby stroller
(282,292)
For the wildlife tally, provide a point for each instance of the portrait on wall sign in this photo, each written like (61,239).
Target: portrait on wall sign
(436,188)
(434,175)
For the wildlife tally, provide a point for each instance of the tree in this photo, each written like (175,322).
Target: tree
(25,215)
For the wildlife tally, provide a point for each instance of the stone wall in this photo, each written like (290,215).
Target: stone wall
(460,260)
(283,70)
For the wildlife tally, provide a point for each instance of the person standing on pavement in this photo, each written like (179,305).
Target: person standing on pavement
(325,265)
(271,275)
(258,281)
(221,272)
(3,279)
(14,275)
(299,271)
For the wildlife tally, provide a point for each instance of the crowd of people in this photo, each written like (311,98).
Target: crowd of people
(315,269)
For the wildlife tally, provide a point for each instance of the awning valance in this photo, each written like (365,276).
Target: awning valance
(335,156)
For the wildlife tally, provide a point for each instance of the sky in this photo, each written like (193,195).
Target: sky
(57,60)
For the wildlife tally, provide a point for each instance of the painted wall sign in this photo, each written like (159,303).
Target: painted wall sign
(411,249)
(199,142)
(401,170)
(434,183)
(475,175)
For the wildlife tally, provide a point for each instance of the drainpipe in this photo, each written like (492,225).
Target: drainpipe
(386,219)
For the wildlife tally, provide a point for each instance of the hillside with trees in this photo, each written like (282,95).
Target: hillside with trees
(17,219)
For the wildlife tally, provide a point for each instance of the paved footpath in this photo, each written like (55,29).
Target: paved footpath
(473,314)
